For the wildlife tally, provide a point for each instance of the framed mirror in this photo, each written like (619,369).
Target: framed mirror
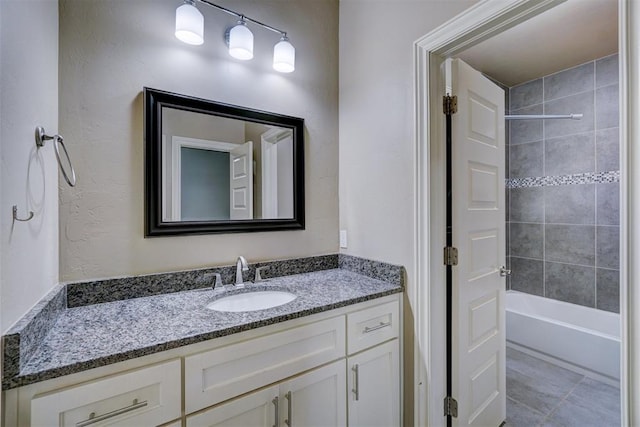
(218,168)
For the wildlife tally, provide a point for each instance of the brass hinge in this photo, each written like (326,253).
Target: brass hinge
(450,407)
(450,255)
(450,104)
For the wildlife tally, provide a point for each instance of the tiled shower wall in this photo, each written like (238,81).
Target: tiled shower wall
(563,189)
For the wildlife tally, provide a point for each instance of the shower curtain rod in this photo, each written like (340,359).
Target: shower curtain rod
(544,117)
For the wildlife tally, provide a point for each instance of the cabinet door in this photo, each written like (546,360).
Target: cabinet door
(374,387)
(259,409)
(317,398)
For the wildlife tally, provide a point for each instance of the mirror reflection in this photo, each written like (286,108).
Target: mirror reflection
(217,168)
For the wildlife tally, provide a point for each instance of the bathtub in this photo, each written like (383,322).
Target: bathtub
(580,338)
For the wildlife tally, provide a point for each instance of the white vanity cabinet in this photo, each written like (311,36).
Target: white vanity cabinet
(336,368)
(149,396)
(374,366)
(316,398)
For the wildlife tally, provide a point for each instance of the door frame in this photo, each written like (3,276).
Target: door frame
(480,22)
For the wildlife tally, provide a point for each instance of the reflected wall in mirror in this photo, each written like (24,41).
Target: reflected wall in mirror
(215,168)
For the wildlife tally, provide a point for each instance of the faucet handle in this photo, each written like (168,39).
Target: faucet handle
(259,271)
(217,284)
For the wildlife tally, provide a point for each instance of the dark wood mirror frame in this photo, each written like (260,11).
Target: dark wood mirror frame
(154,101)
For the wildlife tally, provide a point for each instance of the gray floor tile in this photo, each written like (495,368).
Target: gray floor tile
(591,403)
(519,415)
(538,383)
(542,394)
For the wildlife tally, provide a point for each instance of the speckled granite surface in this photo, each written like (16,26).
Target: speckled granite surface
(100,291)
(90,336)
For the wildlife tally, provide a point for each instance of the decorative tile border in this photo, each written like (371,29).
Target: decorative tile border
(578,178)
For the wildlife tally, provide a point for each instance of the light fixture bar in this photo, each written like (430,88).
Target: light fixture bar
(244,17)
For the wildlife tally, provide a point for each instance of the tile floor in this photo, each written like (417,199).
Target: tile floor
(542,394)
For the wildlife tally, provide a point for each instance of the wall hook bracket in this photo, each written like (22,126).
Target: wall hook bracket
(41,137)
(15,215)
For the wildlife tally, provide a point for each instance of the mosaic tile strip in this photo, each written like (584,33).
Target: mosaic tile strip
(578,178)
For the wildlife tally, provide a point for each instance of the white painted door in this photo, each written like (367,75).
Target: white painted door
(257,409)
(478,359)
(374,387)
(317,398)
(241,182)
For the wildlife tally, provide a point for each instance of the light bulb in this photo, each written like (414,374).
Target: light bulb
(189,24)
(241,41)
(284,56)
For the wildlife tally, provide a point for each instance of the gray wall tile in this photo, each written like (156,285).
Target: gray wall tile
(569,82)
(527,275)
(570,204)
(526,240)
(580,103)
(526,160)
(607,71)
(607,150)
(526,204)
(521,131)
(569,214)
(525,94)
(608,202)
(608,247)
(607,108)
(573,244)
(570,283)
(608,290)
(570,154)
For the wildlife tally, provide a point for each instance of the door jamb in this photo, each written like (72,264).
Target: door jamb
(480,22)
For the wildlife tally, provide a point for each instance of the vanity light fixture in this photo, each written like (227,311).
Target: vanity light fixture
(240,41)
(189,23)
(239,38)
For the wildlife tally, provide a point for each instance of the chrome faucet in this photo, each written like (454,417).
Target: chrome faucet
(241,265)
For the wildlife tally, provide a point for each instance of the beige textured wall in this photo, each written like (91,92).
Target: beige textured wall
(109,50)
(29,177)
(377,163)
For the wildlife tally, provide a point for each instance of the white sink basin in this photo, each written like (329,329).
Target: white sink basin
(252,301)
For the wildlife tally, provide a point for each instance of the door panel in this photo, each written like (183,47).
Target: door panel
(478,360)
(241,171)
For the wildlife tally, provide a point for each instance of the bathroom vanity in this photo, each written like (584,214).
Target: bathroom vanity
(329,357)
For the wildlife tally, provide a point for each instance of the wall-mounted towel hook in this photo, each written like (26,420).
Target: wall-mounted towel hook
(42,137)
(15,215)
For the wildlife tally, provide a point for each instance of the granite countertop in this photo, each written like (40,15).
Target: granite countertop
(95,335)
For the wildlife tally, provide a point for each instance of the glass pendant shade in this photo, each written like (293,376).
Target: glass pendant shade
(189,24)
(284,56)
(241,42)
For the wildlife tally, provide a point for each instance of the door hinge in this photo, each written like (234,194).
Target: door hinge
(450,407)
(450,104)
(450,255)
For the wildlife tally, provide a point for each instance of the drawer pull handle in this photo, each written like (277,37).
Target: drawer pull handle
(93,419)
(356,384)
(375,328)
(288,421)
(275,403)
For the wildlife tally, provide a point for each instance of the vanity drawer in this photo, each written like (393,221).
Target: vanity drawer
(149,396)
(230,371)
(371,326)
